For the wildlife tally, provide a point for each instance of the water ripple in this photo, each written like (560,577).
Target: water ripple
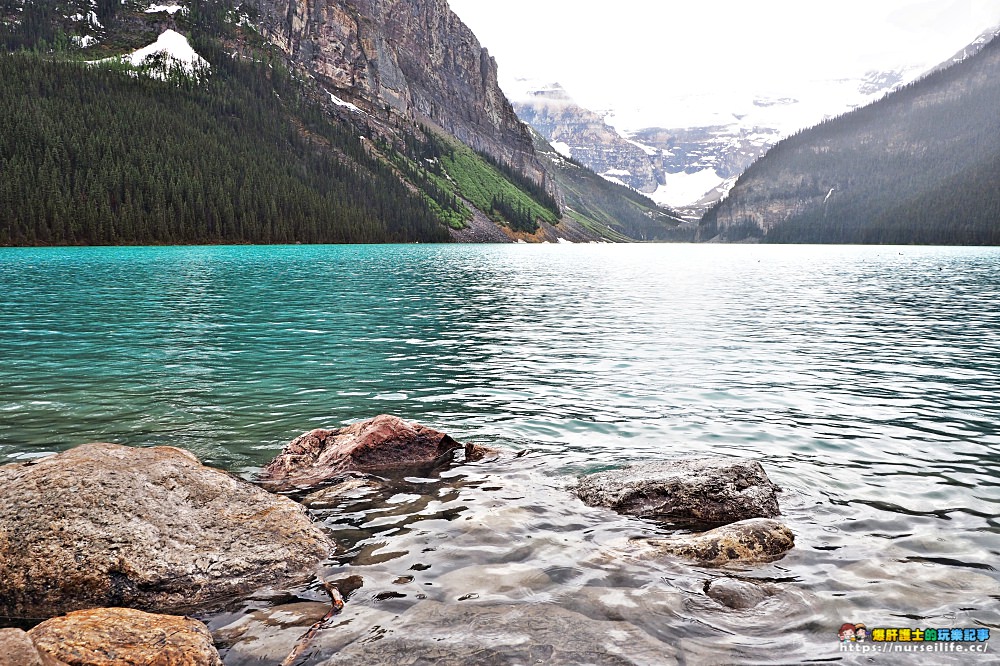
(866,379)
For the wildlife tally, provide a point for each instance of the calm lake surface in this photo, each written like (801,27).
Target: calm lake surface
(866,380)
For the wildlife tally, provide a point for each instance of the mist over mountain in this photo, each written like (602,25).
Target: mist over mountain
(695,161)
(921,165)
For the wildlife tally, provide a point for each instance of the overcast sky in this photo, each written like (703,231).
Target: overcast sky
(650,53)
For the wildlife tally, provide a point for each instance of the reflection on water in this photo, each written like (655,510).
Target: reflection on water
(867,380)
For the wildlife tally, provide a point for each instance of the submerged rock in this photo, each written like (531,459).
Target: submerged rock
(268,635)
(450,634)
(736,594)
(384,442)
(694,491)
(351,487)
(151,528)
(115,636)
(745,542)
(478,452)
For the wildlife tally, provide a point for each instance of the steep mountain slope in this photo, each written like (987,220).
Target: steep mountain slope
(701,160)
(210,121)
(412,57)
(971,49)
(919,166)
(89,155)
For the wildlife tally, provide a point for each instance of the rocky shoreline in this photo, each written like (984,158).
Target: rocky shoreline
(106,546)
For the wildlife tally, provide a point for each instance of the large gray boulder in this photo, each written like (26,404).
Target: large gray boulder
(746,542)
(151,528)
(382,443)
(690,491)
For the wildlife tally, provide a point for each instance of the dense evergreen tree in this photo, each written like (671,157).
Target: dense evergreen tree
(519,217)
(91,156)
(252,153)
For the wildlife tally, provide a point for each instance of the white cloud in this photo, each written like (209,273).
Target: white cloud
(639,54)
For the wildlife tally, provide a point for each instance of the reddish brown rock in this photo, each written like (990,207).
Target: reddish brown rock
(382,443)
(106,525)
(478,452)
(119,636)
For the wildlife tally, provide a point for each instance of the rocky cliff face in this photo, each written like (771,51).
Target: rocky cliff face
(583,135)
(413,59)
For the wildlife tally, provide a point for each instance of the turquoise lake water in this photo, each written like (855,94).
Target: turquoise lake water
(866,380)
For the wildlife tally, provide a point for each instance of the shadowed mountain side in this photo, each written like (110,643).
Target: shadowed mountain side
(919,166)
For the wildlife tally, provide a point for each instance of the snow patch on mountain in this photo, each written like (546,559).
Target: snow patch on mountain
(347,105)
(169,55)
(971,49)
(170,52)
(170,9)
(682,189)
(562,148)
(649,150)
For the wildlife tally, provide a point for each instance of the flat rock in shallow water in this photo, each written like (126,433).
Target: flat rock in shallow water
(384,442)
(745,542)
(116,636)
(694,491)
(108,525)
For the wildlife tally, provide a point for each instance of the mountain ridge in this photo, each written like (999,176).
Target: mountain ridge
(920,165)
(695,165)
(583,135)
(415,57)
(393,93)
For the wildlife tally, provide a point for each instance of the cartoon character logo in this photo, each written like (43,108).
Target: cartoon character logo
(846,632)
(860,632)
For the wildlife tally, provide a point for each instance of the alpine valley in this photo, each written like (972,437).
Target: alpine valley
(272,121)
(920,166)
(361,121)
(691,165)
